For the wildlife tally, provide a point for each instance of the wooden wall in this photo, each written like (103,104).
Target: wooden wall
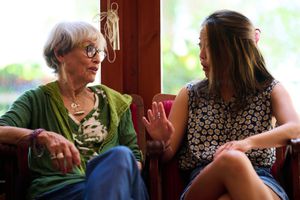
(137,65)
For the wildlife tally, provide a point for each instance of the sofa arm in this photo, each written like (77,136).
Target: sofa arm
(295,146)
(154,148)
(154,151)
(292,168)
(15,170)
(7,150)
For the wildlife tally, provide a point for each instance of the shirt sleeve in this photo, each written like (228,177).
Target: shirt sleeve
(19,113)
(128,135)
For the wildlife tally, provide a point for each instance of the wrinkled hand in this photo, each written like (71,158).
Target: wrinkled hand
(240,145)
(157,124)
(64,154)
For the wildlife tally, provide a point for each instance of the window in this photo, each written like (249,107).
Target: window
(24,29)
(279,43)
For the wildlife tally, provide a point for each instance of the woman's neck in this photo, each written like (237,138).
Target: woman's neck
(70,90)
(78,100)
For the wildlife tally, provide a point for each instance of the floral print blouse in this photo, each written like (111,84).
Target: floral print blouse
(211,124)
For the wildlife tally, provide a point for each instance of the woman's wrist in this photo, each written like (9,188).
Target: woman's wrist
(37,149)
(166,145)
(34,134)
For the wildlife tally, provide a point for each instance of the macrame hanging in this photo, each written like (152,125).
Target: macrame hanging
(111,28)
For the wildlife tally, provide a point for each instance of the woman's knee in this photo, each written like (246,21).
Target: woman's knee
(122,155)
(121,151)
(233,161)
(224,197)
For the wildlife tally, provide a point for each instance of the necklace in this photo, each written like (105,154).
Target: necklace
(75,106)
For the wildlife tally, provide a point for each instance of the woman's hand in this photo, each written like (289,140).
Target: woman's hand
(240,145)
(64,154)
(158,125)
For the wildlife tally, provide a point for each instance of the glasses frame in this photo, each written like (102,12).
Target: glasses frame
(91,51)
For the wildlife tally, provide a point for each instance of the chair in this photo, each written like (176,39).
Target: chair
(14,172)
(167,182)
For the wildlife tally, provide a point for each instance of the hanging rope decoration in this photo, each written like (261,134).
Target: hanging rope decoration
(111,28)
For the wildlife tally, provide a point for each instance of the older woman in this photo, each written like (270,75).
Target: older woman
(75,132)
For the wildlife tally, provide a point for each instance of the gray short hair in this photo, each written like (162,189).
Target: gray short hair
(67,35)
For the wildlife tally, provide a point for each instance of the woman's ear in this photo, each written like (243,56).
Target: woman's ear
(257,35)
(58,55)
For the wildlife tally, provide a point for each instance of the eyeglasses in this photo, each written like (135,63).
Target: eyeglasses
(91,52)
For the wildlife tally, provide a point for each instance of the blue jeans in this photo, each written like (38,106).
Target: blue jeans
(113,175)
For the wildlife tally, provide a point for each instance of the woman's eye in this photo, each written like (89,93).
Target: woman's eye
(199,45)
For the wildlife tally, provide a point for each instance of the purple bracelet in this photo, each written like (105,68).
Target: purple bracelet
(38,150)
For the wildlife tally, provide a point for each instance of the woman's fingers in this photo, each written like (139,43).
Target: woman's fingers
(75,155)
(64,154)
(161,109)
(61,162)
(157,124)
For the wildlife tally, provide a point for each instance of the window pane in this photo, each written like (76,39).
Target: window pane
(279,43)
(25,27)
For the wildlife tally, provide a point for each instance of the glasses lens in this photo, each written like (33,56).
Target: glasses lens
(91,51)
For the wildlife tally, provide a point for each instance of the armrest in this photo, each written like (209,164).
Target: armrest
(167,181)
(15,170)
(295,145)
(7,150)
(154,151)
(291,169)
(154,148)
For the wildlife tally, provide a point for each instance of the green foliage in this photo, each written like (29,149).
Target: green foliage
(279,43)
(3,108)
(26,71)
(178,70)
(14,77)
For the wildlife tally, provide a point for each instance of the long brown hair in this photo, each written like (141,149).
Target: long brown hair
(234,53)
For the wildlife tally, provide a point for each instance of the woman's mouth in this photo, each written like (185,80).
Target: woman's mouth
(93,69)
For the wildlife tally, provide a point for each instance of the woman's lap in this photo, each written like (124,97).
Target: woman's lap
(116,165)
(263,173)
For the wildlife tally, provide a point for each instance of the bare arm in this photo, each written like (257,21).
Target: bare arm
(287,119)
(178,117)
(55,143)
(14,135)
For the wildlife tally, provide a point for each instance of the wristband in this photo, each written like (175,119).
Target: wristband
(38,150)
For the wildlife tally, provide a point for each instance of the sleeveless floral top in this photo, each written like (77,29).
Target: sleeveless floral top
(211,124)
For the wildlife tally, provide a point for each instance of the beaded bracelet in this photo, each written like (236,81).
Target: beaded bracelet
(37,149)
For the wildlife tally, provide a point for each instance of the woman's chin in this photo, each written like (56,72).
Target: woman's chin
(206,74)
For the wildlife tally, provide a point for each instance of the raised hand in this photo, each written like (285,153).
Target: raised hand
(157,124)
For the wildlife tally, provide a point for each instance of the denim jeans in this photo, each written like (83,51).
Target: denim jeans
(113,175)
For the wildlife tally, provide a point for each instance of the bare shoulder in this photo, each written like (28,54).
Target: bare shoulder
(279,89)
(182,97)
(280,94)
(282,105)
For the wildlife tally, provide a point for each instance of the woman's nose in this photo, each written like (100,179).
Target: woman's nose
(202,54)
(96,59)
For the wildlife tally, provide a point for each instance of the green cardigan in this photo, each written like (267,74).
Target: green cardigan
(44,108)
